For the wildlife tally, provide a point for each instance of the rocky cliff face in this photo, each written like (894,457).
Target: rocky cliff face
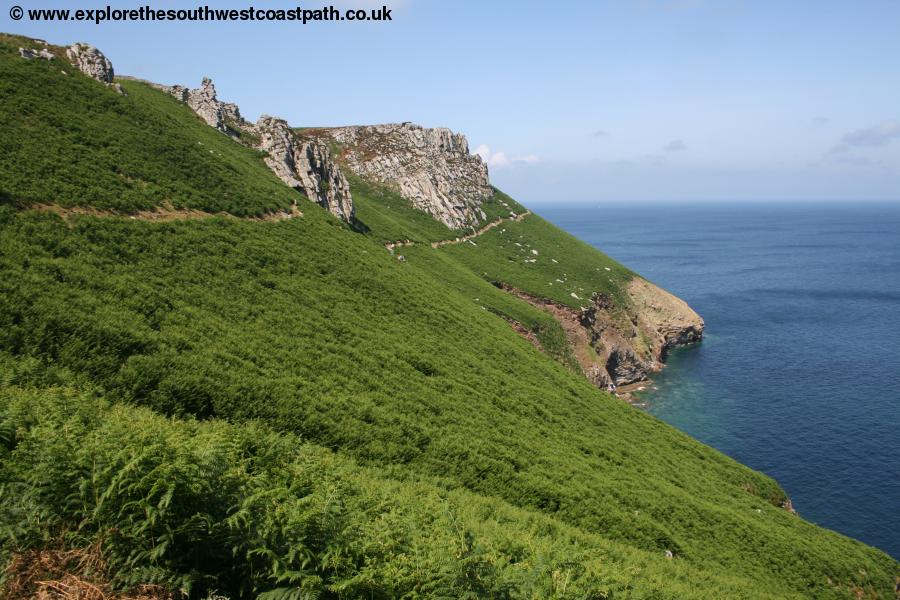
(617,346)
(202,101)
(432,168)
(633,347)
(305,165)
(91,62)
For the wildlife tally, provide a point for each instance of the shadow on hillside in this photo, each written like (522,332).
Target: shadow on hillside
(359,227)
(5,198)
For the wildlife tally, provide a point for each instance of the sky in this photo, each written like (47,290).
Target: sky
(569,102)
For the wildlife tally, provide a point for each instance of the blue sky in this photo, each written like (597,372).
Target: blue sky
(583,101)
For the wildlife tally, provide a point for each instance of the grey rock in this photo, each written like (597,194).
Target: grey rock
(204,102)
(322,179)
(636,346)
(91,62)
(432,168)
(625,367)
(232,113)
(305,165)
(178,92)
(276,141)
(32,54)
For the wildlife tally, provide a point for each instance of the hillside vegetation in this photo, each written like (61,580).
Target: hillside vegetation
(283,408)
(69,141)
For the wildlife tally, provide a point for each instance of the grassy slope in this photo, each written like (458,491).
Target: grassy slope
(563,265)
(314,329)
(67,140)
(386,217)
(279,512)
(505,254)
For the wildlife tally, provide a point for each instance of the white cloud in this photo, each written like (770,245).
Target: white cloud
(499,159)
(675,146)
(877,135)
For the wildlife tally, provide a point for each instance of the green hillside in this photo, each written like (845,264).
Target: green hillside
(68,141)
(283,408)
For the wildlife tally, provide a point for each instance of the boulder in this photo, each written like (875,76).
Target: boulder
(204,102)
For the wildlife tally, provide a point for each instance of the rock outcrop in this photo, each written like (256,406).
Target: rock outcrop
(432,168)
(276,141)
(30,54)
(305,165)
(665,319)
(91,62)
(322,179)
(618,346)
(633,345)
(202,101)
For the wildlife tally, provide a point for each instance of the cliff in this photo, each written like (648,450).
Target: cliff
(619,345)
(431,168)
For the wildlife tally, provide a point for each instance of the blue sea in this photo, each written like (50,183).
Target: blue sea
(799,372)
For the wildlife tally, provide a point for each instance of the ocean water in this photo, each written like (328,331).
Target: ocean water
(799,372)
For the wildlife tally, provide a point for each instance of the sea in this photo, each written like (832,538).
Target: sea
(798,374)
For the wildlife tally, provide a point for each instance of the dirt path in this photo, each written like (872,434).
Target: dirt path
(481,231)
(161,214)
(465,238)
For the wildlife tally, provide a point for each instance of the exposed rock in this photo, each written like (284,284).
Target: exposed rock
(323,182)
(619,346)
(231,113)
(432,168)
(305,165)
(32,54)
(666,320)
(276,141)
(91,62)
(787,505)
(178,92)
(204,102)
(634,343)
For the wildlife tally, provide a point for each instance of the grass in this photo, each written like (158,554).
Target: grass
(283,408)
(69,140)
(500,206)
(388,217)
(313,329)
(243,510)
(541,259)
(487,296)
